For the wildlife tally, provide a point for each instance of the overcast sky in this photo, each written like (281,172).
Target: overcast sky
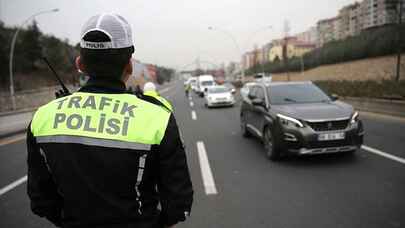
(175,32)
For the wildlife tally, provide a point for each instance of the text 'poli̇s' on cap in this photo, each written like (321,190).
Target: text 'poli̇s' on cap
(106,31)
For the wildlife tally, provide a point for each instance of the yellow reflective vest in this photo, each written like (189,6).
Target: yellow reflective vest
(123,118)
(156,95)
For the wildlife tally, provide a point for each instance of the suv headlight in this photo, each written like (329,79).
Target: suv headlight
(355,118)
(289,121)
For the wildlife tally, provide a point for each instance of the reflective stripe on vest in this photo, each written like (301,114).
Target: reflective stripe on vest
(156,95)
(110,120)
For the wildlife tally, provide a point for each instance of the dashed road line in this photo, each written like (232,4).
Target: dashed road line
(193,115)
(191,104)
(13,185)
(381,153)
(208,179)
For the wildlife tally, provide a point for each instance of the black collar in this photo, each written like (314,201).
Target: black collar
(104,85)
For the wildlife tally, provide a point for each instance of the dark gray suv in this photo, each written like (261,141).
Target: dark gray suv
(299,118)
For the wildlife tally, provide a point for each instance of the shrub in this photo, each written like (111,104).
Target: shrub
(386,89)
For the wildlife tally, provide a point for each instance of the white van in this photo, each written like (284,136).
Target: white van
(203,83)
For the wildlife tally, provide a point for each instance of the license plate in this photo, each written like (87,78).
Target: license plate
(331,136)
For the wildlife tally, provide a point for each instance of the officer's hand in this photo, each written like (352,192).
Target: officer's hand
(60,93)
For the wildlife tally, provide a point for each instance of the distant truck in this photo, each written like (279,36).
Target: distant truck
(263,78)
(203,83)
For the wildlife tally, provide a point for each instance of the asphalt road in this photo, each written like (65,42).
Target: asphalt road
(246,190)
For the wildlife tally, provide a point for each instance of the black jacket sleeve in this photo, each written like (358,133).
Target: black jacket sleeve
(42,191)
(175,187)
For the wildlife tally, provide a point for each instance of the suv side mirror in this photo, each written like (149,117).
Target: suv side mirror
(258,102)
(334,97)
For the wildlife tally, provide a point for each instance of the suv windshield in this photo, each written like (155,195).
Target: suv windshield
(296,93)
(207,83)
(218,90)
(229,85)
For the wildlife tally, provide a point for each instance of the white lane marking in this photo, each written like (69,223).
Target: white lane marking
(193,115)
(191,104)
(208,179)
(13,185)
(386,155)
(190,98)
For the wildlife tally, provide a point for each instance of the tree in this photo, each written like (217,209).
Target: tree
(163,74)
(396,6)
(30,47)
(4,50)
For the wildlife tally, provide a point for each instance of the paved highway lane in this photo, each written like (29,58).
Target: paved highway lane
(321,191)
(385,133)
(365,190)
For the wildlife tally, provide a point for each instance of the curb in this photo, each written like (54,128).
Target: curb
(9,113)
(12,133)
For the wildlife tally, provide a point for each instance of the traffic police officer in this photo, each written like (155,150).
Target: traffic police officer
(102,157)
(149,90)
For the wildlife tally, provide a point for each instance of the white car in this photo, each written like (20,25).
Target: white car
(219,96)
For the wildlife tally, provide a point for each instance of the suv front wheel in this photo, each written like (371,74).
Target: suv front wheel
(243,128)
(270,145)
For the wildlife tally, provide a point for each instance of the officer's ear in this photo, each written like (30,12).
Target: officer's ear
(128,69)
(79,64)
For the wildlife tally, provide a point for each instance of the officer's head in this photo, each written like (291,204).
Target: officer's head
(106,47)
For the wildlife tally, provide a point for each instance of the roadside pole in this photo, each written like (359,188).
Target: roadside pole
(11,56)
(302,64)
(399,44)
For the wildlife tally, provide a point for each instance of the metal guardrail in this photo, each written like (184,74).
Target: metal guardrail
(382,106)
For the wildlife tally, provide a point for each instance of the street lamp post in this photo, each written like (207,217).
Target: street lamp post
(235,43)
(12,53)
(253,35)
(248,41)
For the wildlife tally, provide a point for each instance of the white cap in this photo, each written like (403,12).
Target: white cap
(113,26)
(149,86)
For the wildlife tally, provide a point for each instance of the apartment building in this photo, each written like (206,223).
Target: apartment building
(295,48)
(328,30)
(350,21)
(249,59)
(309,36)
(266,52)
(375,13)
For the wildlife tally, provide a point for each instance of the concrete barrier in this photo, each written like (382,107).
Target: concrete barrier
(382,106)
